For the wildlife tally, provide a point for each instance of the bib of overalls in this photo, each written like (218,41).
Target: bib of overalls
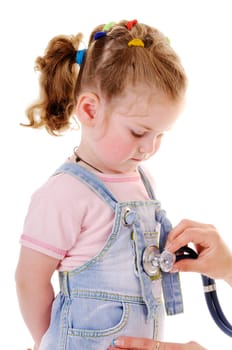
(111,294)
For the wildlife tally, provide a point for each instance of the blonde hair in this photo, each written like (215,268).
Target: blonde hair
(110,65)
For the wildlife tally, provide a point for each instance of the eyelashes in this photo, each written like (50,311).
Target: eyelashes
(142,134)
(138,135)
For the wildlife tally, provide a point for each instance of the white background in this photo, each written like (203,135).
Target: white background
(192,169)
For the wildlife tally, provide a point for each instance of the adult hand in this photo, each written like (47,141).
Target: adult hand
(215,257)
(149,344)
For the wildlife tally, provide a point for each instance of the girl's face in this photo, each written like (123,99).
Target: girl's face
(132,130)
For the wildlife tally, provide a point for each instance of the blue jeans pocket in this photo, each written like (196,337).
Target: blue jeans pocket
(96,318)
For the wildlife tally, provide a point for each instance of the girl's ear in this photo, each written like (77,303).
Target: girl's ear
(87,106)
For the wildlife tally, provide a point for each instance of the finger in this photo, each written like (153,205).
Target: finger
(197,235)
(183,225)
(130,343)
(134,343)
(189,265)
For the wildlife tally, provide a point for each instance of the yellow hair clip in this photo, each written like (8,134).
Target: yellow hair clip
(136,42)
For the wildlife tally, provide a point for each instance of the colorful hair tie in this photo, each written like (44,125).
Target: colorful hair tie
(80,55)
(108,26)
(136,42)
(105,29)
(99,35)
(131,24)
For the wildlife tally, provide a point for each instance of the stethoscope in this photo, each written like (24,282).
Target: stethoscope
(154,261)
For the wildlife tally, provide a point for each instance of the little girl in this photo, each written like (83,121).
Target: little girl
(97,215)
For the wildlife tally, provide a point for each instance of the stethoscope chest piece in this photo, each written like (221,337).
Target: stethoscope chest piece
(154,261)
(151,260)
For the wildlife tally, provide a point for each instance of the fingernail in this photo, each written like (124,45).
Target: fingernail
(115,342)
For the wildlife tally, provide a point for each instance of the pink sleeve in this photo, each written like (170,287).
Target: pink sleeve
(53,221)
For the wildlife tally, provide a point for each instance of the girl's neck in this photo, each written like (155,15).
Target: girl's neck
(79,159)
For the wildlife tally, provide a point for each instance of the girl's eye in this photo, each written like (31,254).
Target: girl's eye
(137,134)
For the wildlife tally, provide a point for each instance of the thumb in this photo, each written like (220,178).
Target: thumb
(191,265)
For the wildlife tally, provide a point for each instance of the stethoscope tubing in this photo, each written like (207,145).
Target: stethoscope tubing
(215,307)
(210,293)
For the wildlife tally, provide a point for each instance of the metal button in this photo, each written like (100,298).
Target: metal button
(129,216)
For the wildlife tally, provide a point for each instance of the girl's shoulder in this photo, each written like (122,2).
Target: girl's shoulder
(62,189)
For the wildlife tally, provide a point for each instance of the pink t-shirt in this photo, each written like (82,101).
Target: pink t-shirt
(65,218)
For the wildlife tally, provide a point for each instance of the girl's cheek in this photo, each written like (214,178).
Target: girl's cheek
(157,145)
(118,150)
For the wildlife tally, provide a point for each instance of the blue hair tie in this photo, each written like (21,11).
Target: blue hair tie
(99,35)
(80,55)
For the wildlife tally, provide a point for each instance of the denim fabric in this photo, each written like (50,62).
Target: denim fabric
(170,281)
(111,295)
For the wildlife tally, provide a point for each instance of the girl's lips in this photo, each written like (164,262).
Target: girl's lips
(137,160)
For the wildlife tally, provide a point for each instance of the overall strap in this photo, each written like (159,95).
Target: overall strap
(89,179)
(146,183)
(170,281)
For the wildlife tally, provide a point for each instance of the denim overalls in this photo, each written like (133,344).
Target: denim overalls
(111,295)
